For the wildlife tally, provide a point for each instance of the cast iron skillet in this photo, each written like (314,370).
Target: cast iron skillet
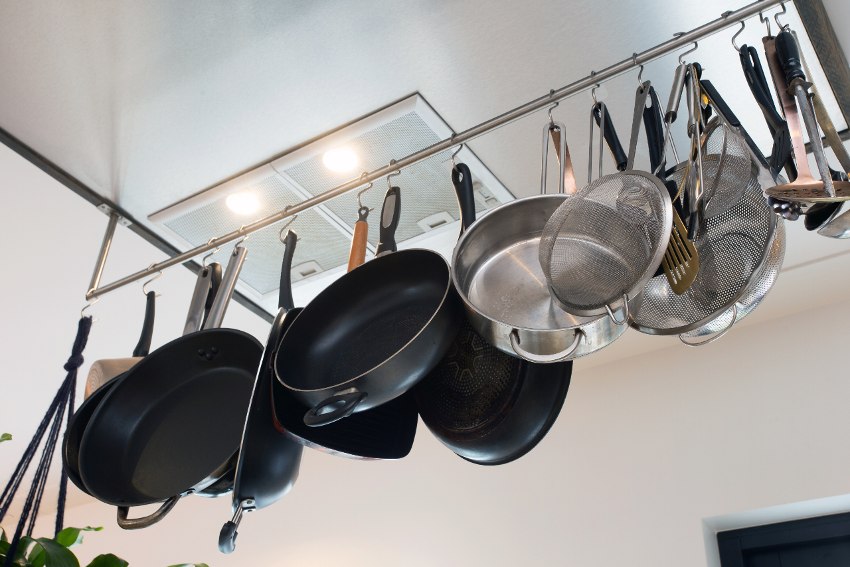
(268,461)
(383,432)
(371,335)
(172,425)
(487,406)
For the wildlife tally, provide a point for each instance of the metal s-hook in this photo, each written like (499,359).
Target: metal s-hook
(211,254)
(640,69)
(776,18)
(691,50)
(455,153)
(360,193)
(284,227)
(593,93)
(549,112)
(89,304)
(737,33)
(393,174)
(765,20)
(241,240)
(155,277)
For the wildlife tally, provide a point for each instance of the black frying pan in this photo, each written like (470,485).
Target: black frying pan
(487,406)
(173,424)
(371,335)
(383,432)
(268,461)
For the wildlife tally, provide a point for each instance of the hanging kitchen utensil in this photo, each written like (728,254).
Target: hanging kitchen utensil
(152,438)
(383,432)
(102,371)
(268,461)
(371,335)
(602,245)
(732,247)
(361,233)
(496,270)
(766,273)
(681,259)
(488,407)
(782,52)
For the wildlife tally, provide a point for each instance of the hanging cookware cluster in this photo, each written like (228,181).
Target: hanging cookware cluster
(481,348)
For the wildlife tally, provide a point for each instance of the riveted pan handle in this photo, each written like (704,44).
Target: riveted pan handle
(610,134)
(545,358)
(284,297)
(225,292)
(345,405)
(137,523)
(201,296)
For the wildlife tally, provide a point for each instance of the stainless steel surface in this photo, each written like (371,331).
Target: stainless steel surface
(808,112)
(732,248)
(498,275)
(723,22)
(199,298)
(100,263)
(755,292)
(225,290)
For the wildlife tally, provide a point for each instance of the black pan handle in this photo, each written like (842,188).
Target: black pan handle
(610,134)
(756,79)
(789,57)
(653,126)
(345,406)
(143,347)
(284,297)
(137,523)
(215,283)
(462,180)
(390,215)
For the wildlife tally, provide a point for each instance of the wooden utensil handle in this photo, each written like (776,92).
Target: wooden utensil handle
(358,245)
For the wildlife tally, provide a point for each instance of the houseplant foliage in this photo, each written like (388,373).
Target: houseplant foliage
(56,552)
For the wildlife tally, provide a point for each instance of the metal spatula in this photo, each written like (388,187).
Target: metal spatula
(681,259)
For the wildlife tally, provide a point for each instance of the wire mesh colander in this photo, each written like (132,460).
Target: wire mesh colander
(732,247)
(726,162)
(755,292)
(605,241)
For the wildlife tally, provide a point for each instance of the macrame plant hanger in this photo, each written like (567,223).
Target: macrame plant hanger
(61,407)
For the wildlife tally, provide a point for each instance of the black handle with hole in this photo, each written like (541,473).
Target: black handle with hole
(390,215)
(610,134)
(462,180)
(215,283)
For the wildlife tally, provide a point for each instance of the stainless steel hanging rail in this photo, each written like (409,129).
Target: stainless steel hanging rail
(726,20)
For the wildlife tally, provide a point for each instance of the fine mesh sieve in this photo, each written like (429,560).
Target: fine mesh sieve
(732,249)
(603,243)
(726,162)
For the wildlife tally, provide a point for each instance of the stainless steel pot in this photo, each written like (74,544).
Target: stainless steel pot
(497,273)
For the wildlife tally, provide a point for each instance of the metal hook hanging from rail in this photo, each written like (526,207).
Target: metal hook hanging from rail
(665,48)
(735,36)
(454,155)
(780,25)
(392,174)
(766,21)
(689,51)
(640,69)
(280,235)
(155,277)
(205,260)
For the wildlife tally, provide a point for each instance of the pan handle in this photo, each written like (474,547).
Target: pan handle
(717,335)
(137,523)
(545,358)
(626,315)
(347,402)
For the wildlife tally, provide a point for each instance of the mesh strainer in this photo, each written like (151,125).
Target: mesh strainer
(732,246)
(602,244)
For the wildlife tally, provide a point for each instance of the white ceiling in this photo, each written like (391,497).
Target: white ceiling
(148,103)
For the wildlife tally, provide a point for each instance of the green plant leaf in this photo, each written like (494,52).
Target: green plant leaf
(107,560)
(55,554)
(73,536)
(5,437)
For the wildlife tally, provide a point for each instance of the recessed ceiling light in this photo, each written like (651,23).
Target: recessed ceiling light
(243,203)
(340,160)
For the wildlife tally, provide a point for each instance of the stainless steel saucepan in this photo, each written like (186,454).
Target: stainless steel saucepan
(497,273)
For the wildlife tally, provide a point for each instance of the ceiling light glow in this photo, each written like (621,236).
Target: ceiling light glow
(340,160)
(244,203)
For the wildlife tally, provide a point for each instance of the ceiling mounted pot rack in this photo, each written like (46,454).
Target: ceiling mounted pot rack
(680,40)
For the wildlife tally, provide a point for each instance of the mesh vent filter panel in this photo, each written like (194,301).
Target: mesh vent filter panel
(318,241)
